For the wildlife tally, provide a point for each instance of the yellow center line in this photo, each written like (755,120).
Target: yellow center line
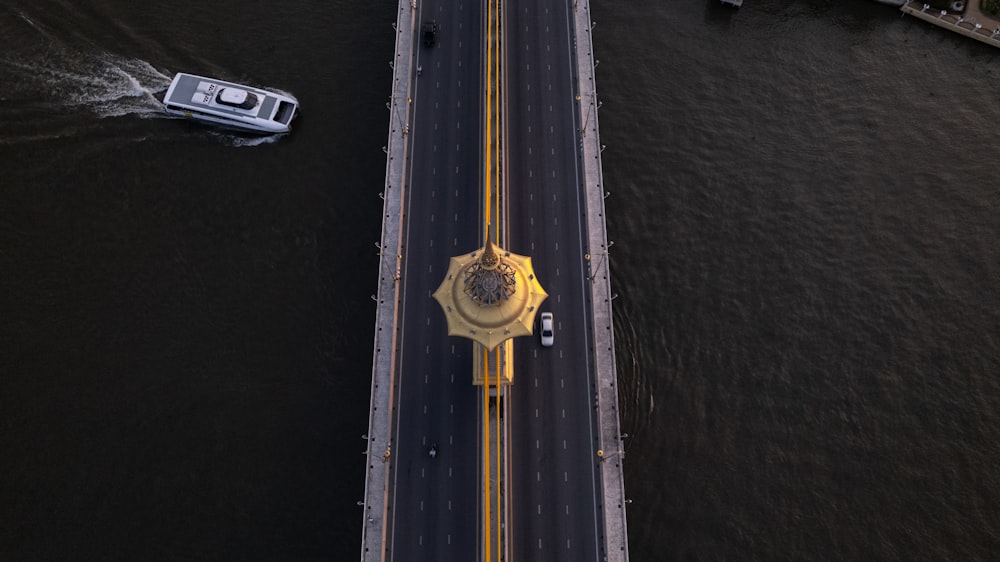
(486,363)
(492,181)
(499,463)
(486,456)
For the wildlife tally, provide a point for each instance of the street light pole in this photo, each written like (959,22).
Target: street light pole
(604,255)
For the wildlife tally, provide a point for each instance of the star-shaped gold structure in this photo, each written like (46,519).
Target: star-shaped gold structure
(490,296)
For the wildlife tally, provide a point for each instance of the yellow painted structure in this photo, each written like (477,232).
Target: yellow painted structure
(490,321)
(504,356)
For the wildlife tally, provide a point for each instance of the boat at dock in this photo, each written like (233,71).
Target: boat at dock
(230,105)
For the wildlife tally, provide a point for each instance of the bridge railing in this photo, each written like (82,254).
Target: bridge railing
(374,535)
(609,440)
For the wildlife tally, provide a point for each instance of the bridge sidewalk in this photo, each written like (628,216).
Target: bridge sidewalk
(609,442)
(374,540)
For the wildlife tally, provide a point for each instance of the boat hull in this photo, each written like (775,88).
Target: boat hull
(230,105)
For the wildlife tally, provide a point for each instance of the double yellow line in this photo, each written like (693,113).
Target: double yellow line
(492,181)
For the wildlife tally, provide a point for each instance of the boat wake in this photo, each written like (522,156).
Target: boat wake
(235,139)
(52,89)
(107,85)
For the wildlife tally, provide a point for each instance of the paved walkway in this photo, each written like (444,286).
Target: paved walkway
(609,443)
(379,438)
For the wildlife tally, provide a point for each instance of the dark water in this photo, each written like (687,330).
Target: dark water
(185,321)
(805,215)
(804,204)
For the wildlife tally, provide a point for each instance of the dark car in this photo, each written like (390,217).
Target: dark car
(430,29)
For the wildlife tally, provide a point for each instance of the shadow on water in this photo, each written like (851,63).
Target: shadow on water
(719,14)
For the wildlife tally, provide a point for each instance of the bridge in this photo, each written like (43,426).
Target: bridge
(483,445)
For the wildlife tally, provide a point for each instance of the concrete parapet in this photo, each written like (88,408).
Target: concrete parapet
(609,442)
(379,437)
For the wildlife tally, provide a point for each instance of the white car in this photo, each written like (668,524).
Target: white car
(547,337)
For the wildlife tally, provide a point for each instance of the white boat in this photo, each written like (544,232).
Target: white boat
(230,105)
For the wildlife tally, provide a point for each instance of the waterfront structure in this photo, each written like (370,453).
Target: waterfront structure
(970,20)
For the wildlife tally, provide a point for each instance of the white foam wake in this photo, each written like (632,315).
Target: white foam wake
(108,85)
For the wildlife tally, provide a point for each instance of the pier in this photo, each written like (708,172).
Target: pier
(971,22)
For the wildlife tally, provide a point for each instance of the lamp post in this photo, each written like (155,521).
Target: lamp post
(604,255)
(605,455)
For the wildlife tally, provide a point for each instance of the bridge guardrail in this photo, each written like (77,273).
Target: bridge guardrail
(379,436)
(612,474)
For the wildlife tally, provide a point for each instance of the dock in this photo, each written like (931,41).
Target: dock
(972,22)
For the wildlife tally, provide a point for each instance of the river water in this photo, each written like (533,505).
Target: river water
(808,320)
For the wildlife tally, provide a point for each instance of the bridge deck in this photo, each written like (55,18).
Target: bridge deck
(377,524)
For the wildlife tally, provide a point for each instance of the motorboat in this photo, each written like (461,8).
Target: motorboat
(230,105)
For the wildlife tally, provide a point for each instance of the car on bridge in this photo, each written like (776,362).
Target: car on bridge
(548,338)
(430,29)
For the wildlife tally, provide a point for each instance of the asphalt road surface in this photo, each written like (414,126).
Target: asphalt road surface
(434,501)
(555,485)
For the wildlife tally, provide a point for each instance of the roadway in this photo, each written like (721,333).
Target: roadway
(555,485)
(434,502)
